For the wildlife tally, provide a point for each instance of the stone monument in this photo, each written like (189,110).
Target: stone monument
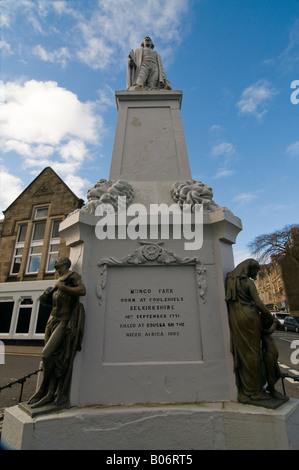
(153,249)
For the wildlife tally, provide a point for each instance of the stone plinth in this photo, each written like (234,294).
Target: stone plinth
(203,426)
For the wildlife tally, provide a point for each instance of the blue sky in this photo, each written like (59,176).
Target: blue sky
(234,60)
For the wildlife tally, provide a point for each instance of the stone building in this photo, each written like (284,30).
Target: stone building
(30,244)
(271,287)
(278,285)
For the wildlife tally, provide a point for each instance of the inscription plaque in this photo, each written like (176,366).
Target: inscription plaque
(152,315)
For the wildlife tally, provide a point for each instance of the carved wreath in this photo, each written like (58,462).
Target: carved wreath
(193,192)
(107,192)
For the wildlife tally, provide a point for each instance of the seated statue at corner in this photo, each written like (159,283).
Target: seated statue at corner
(145,69)
(63,336)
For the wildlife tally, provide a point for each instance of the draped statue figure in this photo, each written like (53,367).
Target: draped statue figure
(251,324)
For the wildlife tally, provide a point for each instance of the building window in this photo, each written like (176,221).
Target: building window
(41,213)
(18,251)
(42,318)
(53,246)
(6,308)
(24,316)
(16,262)
(36,246)
(39,241)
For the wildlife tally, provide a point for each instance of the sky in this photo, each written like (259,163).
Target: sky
(236,62)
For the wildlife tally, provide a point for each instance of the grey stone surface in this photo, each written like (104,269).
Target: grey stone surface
(183,427)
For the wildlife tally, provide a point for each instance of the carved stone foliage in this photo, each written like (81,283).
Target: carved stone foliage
(107,192)
(193,192)
(152,254)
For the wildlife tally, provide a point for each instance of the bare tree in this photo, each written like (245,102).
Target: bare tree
(272,246)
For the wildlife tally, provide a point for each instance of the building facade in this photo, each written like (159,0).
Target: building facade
(30,244)
(278,285)
(270,286)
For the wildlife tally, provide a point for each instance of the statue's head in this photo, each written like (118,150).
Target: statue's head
(253,269)
(62,262)
(248,268)
(147,42)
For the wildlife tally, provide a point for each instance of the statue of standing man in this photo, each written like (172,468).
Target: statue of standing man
(145,68)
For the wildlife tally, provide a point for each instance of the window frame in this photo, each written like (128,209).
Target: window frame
(13,302)
(36,209)
(52,241)
(18,245)
(23,306)
(36,220)
(35,244)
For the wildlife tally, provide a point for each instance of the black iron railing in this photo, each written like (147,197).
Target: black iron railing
(284,376)
(296,379)
(20,381)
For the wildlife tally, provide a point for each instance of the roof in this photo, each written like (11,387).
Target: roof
(47,169)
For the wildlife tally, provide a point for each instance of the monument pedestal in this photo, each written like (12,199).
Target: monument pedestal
(202,426)
(156,327)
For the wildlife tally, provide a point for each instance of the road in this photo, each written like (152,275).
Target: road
(287,360)
(20,361)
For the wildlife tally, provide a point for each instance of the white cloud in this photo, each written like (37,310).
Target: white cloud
(42,112)
(74,150)
(103,31)
(223,173)
(27,150)
(115,27)
(254,99)
(216,127)
(288,59)
(77,184)
(272,208)
(60,56)
(96,53)
(62,7)
(48,126)
(225,149)
(293,150)
(5,48)
(10,188)
(106,98)
(244,198)
(10,9)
